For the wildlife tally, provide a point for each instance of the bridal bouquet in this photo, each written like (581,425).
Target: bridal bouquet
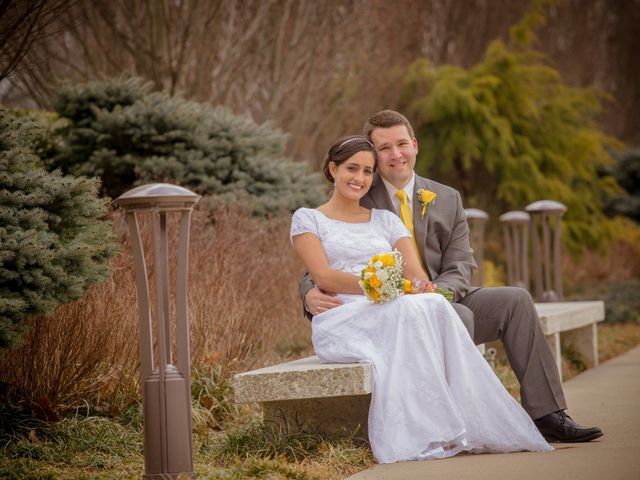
(382,278)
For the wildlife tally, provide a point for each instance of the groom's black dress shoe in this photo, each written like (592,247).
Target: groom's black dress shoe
(560,427)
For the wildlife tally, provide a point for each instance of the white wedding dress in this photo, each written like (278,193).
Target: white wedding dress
(434,395)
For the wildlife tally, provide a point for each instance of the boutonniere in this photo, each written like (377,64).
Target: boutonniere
(427,197)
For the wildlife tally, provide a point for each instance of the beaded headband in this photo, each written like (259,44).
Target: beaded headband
(352,139)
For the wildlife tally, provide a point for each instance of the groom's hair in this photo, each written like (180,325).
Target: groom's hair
(386,119)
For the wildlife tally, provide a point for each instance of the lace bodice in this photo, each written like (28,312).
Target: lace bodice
(349,246)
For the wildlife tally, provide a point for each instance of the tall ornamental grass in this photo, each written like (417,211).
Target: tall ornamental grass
(244,306)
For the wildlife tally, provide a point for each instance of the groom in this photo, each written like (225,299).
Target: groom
(442,237)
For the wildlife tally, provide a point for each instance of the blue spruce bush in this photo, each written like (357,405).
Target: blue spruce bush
(121,131)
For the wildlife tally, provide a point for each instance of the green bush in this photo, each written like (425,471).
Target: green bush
(54,238)
(626,170)
(509,131)
(122,132)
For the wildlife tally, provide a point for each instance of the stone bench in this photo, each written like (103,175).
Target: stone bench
(572,324)
(334,398)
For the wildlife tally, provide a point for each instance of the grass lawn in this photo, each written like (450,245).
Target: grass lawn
(89,447)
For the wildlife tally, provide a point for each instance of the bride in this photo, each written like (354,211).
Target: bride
(433,394)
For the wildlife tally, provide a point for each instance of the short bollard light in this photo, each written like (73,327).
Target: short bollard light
(545,224)
(515,236)
(166,385)
(477,220)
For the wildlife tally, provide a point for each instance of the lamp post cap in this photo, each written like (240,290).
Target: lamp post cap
(546,206)
(515,216)
(476,213)
(157,195)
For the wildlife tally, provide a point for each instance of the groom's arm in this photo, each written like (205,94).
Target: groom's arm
(306,284)
(314,300)
(457,256)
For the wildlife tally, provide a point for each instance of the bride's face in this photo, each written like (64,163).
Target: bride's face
(353,177)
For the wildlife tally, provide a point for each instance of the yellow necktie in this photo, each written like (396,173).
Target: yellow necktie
(407,218)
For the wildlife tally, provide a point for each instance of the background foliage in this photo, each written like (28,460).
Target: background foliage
(54,237)
(626,170)
(509,131)
(275,60)
(126,134)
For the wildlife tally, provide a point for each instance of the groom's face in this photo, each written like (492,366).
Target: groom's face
(397,152)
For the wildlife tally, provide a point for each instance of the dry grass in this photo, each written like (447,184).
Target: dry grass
(613,340)
(92,447)
(244,305)
(85,350)
(244,295)
(617,260)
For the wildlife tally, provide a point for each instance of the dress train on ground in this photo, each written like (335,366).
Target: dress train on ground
(434,394)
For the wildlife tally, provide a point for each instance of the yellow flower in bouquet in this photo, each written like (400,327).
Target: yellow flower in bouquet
(381,280)
(374,281)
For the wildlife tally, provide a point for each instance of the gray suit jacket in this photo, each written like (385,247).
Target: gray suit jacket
(442,236)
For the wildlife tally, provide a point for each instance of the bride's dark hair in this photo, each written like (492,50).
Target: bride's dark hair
(344,149)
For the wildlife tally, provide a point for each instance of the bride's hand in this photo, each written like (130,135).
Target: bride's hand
(423,286)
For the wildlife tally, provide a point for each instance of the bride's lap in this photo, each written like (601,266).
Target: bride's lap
(433,394)
(362,315)
(351,332)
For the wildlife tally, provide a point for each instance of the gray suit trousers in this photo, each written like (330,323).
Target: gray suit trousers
(508,314)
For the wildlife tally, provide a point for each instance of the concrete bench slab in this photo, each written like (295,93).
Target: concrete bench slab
(334,398)
(304,378)
(572,324)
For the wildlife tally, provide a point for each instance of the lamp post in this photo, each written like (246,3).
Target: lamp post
(477,220)
(545,222)
(166,387)
(515,235)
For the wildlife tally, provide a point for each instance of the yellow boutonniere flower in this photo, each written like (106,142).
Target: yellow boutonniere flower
(427,197)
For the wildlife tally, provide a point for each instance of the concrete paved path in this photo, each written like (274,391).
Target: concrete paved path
(607,396)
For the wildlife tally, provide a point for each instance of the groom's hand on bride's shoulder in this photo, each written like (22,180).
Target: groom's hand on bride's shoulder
(317,301)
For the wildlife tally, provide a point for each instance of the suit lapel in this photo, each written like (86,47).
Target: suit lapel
(420,224)
(379,195)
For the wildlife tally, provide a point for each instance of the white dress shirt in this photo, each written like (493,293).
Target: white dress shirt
(408,188)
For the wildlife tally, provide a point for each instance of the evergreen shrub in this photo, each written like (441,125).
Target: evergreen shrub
(626,170)
(128,135)
(54,236)
(508,131)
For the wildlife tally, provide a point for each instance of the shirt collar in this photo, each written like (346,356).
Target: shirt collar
(408,188)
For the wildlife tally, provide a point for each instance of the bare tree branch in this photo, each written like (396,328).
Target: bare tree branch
(21,24)
(313,68)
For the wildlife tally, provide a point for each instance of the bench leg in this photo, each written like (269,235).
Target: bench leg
(553,341)
(342,416)
(585,341)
